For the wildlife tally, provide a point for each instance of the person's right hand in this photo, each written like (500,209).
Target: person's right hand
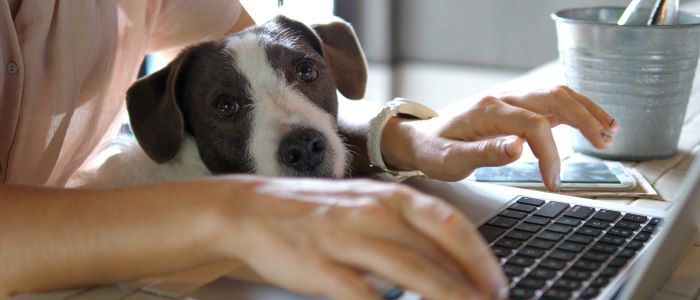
(322,238)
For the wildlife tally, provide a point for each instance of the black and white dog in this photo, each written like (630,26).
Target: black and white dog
(261,101)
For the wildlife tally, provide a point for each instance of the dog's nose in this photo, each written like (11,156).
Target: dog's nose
(303,149)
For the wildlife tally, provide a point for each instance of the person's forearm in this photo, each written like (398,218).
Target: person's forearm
(353,123)
(54,238)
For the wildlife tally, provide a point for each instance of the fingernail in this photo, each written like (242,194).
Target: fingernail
(510,146)
(606,135)
(556,182)
(614,127)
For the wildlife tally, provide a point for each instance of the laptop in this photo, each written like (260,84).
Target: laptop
(554,246)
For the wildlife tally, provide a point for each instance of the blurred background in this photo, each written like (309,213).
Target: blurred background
(440,51)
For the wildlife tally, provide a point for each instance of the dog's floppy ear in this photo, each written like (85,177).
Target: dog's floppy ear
(156,118)
(342,50)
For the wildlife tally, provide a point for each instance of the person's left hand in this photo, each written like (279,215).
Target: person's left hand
(492,133)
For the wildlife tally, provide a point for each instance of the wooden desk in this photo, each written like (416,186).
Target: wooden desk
(665,175)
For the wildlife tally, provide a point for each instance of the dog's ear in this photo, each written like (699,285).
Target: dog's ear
(342,50)
(154,113)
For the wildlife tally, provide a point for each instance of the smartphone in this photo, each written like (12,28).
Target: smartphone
(598,175)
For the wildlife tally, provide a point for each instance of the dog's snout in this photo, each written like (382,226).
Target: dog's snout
(303,149)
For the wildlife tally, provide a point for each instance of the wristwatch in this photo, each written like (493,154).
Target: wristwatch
(396,107)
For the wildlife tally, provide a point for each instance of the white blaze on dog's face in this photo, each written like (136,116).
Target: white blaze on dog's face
(292,134)
(261,101)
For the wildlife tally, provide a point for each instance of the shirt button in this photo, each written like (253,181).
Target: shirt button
(12,68)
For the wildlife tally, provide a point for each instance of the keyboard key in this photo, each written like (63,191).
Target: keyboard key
(579,212)
(542,273)
(634,218)
(603,247)
(537,220)
(531,201)
(523,207)
(596,256)
(642,236)
(619,231)
(655,221)
(513,214)
(512,270)
(568,221)
(636,245)
(611,239)
(509,243)
(559,228)
(501,251)
(589,231)
(541,244)
(521,261)
(556,294)
(551,263)
(649,228)
(580,238)
(600,281)
(551,209)
(628,225)
(586,265)
(609,271)
(627,253)
(393,294)
(490,233)
(552,236)
(531,252)
(607,215)
(600,224)
(531,283)
(618,262)
(567,284)
(577,275)
(502,222)
(520,293)
(590,293)
(572,247)
(519,235)
(528,227)
(563,255)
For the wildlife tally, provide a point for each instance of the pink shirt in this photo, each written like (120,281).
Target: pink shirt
(65,67)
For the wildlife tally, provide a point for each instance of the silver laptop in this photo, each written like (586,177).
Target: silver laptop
(554,246)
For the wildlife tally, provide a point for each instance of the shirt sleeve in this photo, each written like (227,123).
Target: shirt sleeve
(177,23)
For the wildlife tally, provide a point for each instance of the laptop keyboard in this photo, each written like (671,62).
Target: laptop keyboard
(553,250)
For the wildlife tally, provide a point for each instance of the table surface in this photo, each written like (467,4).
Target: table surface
(665,175)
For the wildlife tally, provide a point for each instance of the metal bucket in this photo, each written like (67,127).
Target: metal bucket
(641,75)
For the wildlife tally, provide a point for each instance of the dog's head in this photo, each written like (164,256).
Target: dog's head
(260,101)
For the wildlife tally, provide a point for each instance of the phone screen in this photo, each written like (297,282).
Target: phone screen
(581,172)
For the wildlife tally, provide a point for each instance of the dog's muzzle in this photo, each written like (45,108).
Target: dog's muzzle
(303,150)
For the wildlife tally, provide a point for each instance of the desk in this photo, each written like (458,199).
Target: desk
(665,175)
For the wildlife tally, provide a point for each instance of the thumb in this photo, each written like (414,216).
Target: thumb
(493,152)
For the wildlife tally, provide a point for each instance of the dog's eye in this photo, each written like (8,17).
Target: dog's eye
(225,107)
(306,71)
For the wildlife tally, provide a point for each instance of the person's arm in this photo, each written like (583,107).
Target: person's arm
(317,237)
(62,237)
(490,133)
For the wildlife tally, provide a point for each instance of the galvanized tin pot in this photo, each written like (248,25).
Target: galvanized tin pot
(642,75)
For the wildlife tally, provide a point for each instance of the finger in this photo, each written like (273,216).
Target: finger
(490,152)
(452,231)
(498,118)
(565,105)
(344,283)
(402,266)
(394,229)
(598,112)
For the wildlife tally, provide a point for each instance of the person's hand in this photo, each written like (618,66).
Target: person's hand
(322,238)
(492,132)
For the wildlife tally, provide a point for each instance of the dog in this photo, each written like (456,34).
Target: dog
(261,101)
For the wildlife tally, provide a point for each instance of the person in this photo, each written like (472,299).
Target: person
(65,68)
